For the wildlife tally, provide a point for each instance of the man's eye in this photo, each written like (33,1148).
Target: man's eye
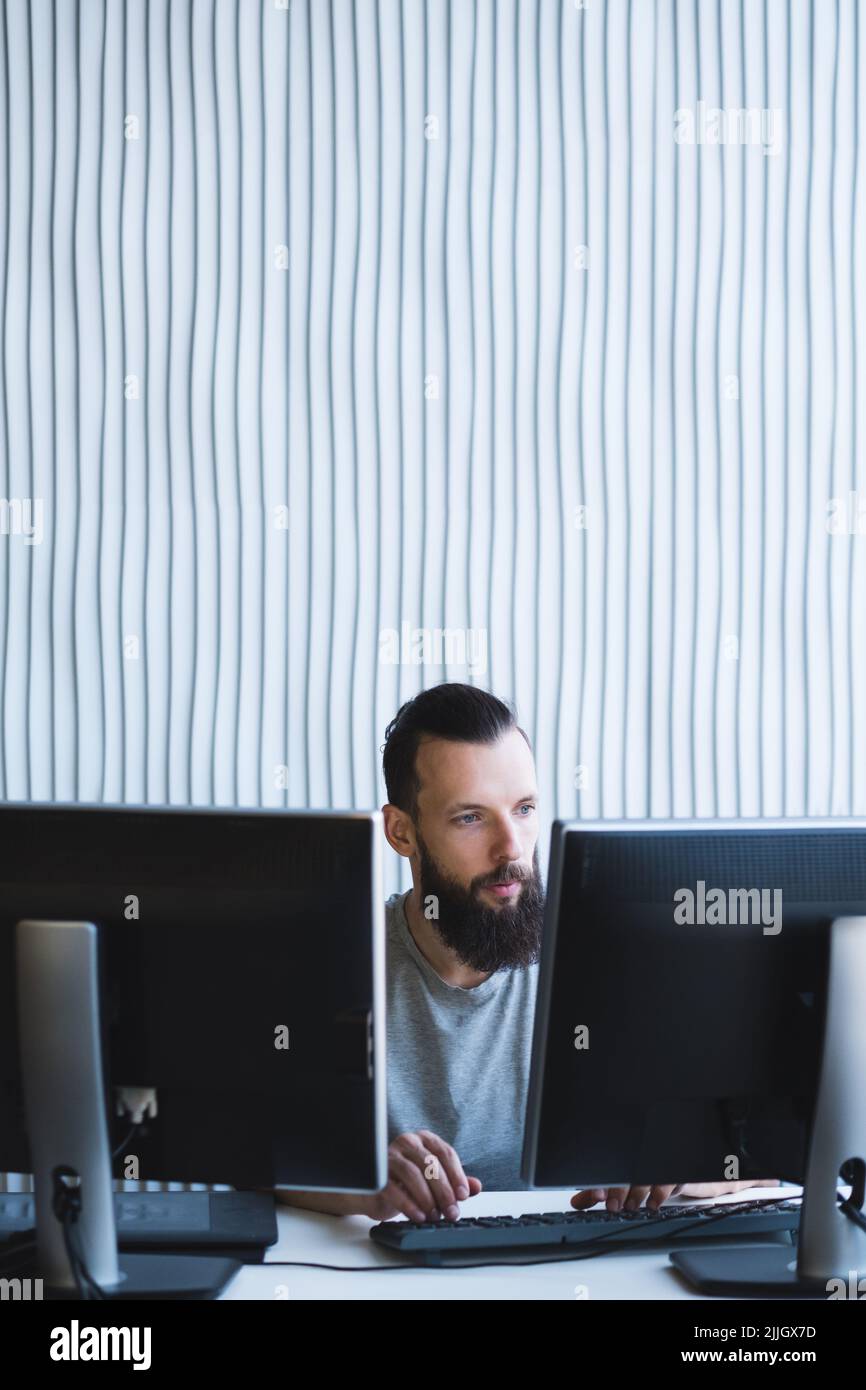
(466,816)
(527,806)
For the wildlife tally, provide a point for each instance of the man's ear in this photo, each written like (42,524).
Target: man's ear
(399,831)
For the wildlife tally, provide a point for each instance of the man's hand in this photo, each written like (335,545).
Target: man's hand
(425,1181)
(630,1198)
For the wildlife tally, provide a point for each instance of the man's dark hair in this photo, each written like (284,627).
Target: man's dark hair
(464,713)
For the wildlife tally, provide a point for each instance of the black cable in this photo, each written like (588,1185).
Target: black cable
(852,1212)
(66,1205)
(388,1269)
(88,1288)
(134,1128)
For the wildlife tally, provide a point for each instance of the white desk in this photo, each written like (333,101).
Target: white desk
(343,1240)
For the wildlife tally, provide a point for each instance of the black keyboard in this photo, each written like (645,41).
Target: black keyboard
(576,1232)
(240,1225)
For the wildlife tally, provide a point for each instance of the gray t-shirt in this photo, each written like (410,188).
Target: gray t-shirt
(458,1059)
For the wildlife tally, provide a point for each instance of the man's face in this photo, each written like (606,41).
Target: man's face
(477,850)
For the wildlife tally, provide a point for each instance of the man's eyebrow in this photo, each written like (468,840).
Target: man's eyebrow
(477,806)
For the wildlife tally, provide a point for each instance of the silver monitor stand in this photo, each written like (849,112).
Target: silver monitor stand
(65,1105)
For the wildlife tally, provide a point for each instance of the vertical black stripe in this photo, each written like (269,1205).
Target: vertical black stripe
(379,489)
(30,488)
(831,624)
(190,361)
(305,718)
(695,457)
(808,490)
(514,491)
(855,432)
(470,455)
(446,382)
(401,590)
(330,420)
(601,749)
(52,732)
(76,781)
(626,403)
(536,666)
(146,404)
(286,730)
(673,409)
(237,404)
(650,664)
(218,540)
(8,471)
(741,462)
(787,433)
(562,534)
(762,397)
(494,84)
(354,393)
(103,713)
(581,435)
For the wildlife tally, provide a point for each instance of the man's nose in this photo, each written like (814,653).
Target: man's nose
(508,845)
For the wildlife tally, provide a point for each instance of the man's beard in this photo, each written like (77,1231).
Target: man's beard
(486,939)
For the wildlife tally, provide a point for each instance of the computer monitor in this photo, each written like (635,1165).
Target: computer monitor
(699,1018)
(239,960)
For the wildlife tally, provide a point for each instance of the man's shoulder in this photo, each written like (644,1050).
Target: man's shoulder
(393,906)
(394,918)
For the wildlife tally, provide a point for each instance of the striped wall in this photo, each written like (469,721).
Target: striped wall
(327,323)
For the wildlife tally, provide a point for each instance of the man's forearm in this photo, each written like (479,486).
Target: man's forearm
(331,1203)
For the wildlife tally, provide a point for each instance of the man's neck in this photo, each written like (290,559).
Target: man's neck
(443,960)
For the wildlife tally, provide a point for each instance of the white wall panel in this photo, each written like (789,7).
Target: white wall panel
(508,294)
